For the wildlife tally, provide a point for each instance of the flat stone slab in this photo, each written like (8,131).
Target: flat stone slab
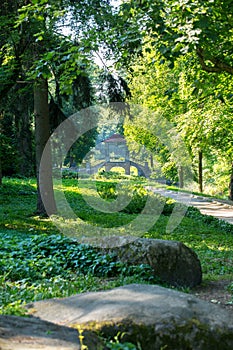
(29,333)
(151,315)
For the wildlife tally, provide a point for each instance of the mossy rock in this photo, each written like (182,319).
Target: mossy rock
(152,316)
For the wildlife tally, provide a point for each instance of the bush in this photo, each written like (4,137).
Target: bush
(169,170)
(67,174)
(102,174)
(140,196)
(107,190)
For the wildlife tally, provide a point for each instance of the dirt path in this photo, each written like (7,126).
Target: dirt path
(221,209)
(215,292)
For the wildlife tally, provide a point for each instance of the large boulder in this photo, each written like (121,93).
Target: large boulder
(172,261)
(156,317)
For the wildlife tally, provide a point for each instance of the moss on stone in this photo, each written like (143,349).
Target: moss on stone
(192,335)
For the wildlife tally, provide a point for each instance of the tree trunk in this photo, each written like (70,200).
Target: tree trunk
(231,184)
(200,171)
(24,135)
(45,203)
(181,176)
(151,161)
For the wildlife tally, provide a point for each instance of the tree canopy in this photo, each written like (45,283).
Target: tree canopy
(176,57)
(188,44)
(178,27)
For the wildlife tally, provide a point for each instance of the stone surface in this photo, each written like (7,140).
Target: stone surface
(21,333)
(154,316)
(30,333)
(172,261)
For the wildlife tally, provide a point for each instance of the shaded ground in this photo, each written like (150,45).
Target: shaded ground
(215,292)
(32,333)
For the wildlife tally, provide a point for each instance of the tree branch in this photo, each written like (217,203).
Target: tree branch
(5,88)
(218,66)
(101,59)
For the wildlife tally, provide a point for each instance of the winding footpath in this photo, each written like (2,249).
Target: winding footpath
(221,209)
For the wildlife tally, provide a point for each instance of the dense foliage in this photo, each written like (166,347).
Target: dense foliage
(196,104)
(35,260)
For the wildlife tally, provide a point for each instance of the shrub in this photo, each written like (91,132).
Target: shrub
(68,174)
(169,170)
(107,190)
(140,198)
(110,191)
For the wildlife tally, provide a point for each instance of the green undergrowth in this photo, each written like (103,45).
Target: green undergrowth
(34,267)
(38,262)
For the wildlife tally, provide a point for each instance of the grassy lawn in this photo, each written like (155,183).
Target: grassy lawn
(37,261)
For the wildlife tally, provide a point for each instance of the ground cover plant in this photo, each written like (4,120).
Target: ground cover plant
(37,261)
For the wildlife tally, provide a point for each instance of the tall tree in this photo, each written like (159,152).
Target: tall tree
(33,26)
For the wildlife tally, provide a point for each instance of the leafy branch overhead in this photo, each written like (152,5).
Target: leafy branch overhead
(178,27)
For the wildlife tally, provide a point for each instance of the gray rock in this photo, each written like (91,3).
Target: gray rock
(172,261)
(156,317)
(30,333)
(22,333)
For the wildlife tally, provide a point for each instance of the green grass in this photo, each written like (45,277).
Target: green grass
(38,262)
